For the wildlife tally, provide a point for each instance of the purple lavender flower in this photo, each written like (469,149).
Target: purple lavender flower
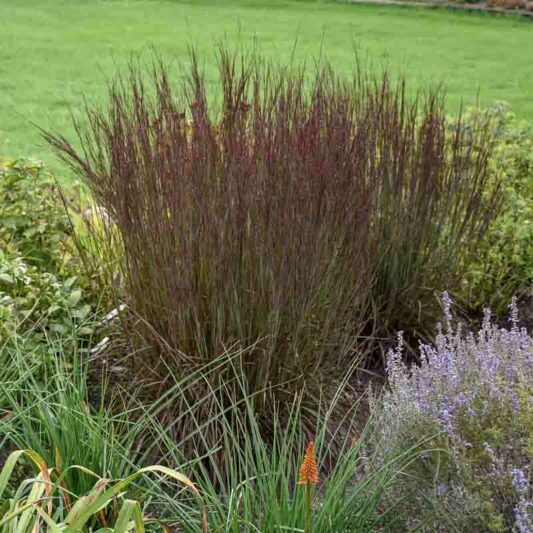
(468,386)
(524,516)
(520,482)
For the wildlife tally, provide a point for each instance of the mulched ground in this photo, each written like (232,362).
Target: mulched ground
(525,311)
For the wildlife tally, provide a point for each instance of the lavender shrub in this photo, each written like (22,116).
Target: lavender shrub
(470,401)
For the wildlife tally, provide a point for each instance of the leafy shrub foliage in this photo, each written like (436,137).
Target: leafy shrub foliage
(30,298)
(32,218)
(304,219)
(39,269)
(503,264)
(473,394)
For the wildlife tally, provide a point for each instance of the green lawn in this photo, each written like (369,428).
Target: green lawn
(53,51)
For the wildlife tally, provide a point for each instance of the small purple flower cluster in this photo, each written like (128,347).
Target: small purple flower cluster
(524,508)
(465,386)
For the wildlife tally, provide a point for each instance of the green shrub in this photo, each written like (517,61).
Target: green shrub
(41,274)
(41,301)
(32,217)
(503,264)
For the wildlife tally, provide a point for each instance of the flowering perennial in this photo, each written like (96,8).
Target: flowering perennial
(309,469)
(474,392)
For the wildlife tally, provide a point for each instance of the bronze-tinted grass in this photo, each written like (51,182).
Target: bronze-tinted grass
(301,216)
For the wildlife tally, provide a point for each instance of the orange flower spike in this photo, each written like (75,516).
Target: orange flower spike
(309,469)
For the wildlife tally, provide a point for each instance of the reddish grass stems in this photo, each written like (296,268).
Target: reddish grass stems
(303,219)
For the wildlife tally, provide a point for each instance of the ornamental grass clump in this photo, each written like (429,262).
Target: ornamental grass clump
(90,443)
(252,480)
(473,393)
(297,217)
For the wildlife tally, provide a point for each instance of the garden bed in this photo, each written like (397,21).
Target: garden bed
(521,8)
(204,312)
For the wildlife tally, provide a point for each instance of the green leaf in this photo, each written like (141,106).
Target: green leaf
(82,312)
(107,496)
(74,298)
(6,278)
(58,328)
(27,510)
(70,282)
(130,509)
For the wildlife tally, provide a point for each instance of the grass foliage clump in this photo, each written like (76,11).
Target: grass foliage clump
(85,462)
(299,217)
(45,502)
(251,481)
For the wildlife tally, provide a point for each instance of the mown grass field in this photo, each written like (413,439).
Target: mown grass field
(54,51)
